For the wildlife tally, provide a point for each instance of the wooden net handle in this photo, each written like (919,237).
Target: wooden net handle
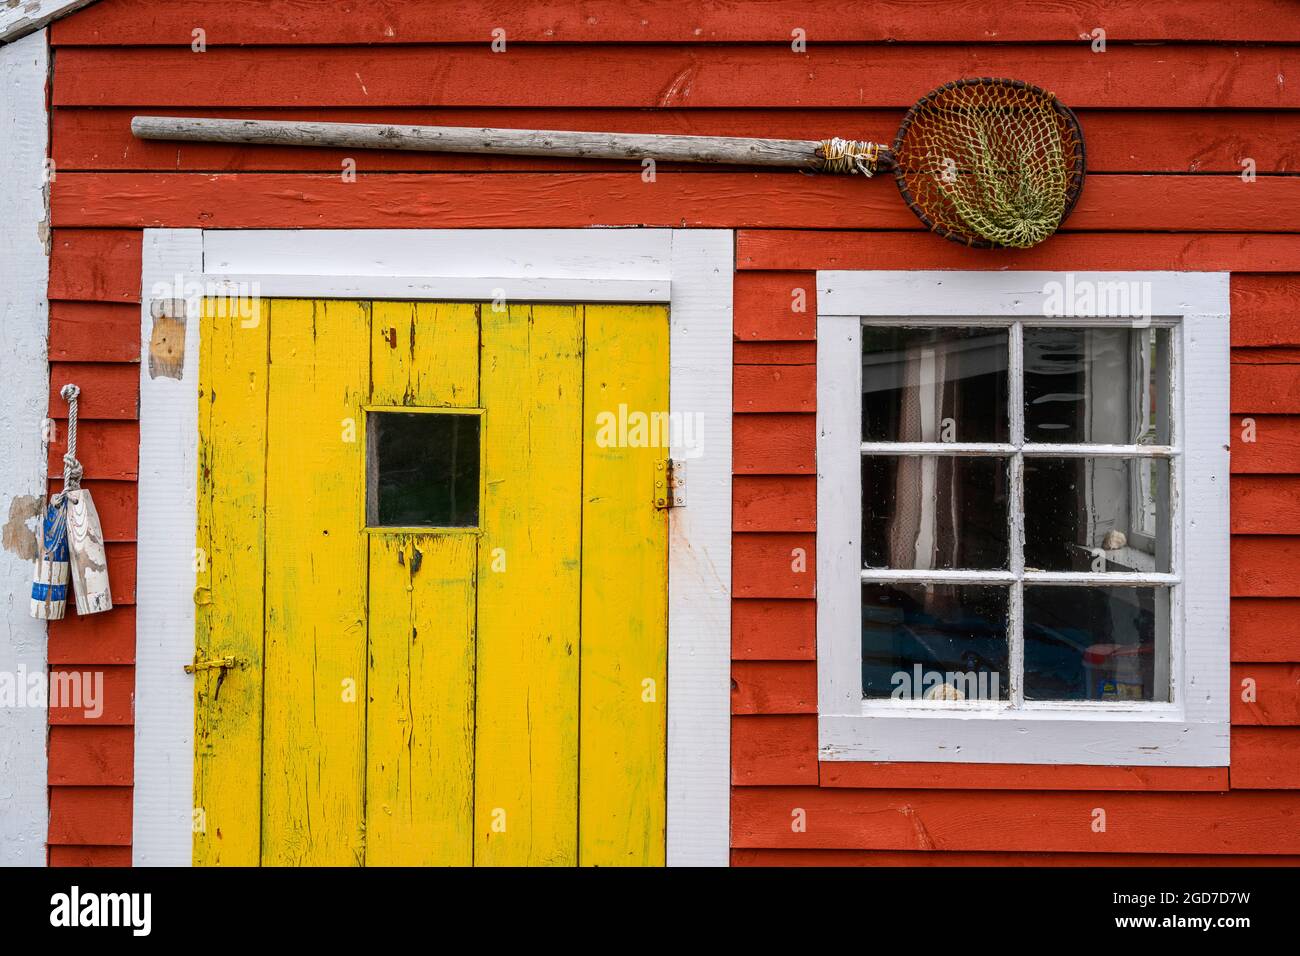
(731,150)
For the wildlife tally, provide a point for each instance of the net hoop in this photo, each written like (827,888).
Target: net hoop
(1075,171)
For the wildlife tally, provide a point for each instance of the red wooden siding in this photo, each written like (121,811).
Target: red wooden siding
(1181,97)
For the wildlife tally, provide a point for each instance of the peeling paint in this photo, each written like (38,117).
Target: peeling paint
(18,537)
(167,348)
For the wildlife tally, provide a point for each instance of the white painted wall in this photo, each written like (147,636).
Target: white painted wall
(24,268)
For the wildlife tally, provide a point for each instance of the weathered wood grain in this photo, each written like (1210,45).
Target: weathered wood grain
(659,147)
(315,653)
(230,613)
(1173,823)
(529,580)
(666,21)
(1126,141)
(623,710)
(1193,252)
(774,503)
(755,200)
(421,625)
(1187,75)
(773,630)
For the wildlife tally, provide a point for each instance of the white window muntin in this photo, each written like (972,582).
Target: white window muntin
(1191,729)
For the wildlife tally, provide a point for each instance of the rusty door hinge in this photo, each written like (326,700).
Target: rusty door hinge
(670,484)
(224,663)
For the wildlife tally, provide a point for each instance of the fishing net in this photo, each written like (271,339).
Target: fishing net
(990,162)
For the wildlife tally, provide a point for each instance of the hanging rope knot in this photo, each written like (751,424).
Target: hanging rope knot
(72,470)
(849,156)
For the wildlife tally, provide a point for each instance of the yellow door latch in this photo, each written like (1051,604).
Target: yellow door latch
(670,484)
(212,664)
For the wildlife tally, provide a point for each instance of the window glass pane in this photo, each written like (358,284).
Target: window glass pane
(933,385)
(934,512)
(422,470)
(1101,386)
(934,642)
(1096,643)
(1097,514)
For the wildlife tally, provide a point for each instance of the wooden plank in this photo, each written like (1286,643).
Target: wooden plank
(1276,692)
(663,21)
(1267,355)
(1186,75)
(773,687)
(97,265)
(108,390)
(772,750)
(315,651)
(420,721)
(775,306)
(1266,389)
(88,856)
(771,565)
(1266,758)
(1129,141)
(526,738)
(767,630)
(623,747)
(92,694)
(983,776)
(95,816)
(774,503)
(1173,823)
(783,199)
(1266,629)
(1263,309)
(1265,566)
(109,450)
(94,332)
(121,570)
(574,144)
(116,503)
(107,638)
(230,617)
(424,353)
(786,249)
(910,858)
(774,444)
(774,353)
(1264,504)
(1265,444)
(774,388)
(91,756)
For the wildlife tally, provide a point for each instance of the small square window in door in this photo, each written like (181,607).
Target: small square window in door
(422,468)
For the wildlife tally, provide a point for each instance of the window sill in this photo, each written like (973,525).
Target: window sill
(1149,737)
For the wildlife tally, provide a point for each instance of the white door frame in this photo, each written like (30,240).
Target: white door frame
(690,270)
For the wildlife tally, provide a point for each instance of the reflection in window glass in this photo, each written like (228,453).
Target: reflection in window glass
(934,385)
(1106,386)
(932,512)
(1096,643)
(934,642)
(422,470)
(1097,514)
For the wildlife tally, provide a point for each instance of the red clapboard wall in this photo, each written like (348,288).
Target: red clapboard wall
(1185,92)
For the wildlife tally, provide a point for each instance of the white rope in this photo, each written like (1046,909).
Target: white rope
(72,470)
(849,156)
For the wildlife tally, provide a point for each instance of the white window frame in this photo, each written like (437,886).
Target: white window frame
(688,269)
(1192,729)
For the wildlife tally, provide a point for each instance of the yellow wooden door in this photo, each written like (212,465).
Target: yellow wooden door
(492,694)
